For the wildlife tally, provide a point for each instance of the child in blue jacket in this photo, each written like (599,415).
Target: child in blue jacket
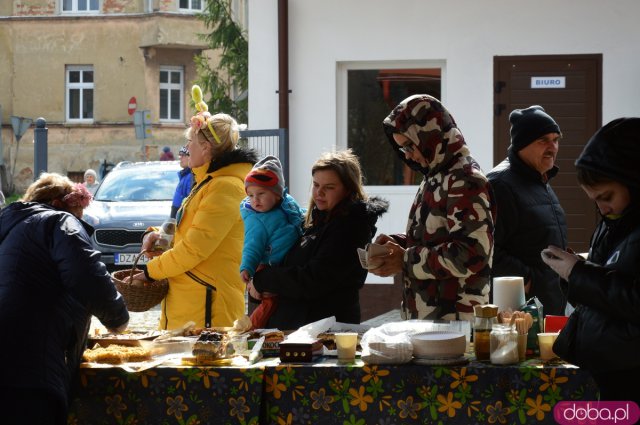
(272,224)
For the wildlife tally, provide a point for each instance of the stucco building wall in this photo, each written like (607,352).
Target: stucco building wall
(461,37)
(126,45)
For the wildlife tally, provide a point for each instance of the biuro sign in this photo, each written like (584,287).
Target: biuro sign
(596,412)
(548,82)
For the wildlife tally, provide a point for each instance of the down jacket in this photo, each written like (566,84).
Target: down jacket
(202,266)
(606,287)
(606,292)
(530,218)
(321,275)
(449,234)
(269,235)
(52,283)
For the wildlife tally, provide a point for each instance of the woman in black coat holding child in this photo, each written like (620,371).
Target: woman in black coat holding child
(321,275)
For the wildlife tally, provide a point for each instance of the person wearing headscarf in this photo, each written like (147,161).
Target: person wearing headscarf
(445,254)
(91,181)
(52,283)
(603,332)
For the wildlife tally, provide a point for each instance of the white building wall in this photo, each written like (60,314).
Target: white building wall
(327,37)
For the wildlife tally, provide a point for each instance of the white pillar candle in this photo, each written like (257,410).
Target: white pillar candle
(508,292)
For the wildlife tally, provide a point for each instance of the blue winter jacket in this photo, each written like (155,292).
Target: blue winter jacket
(182,190)
(268,236)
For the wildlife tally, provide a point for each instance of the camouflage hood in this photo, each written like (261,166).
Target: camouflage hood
(430,126)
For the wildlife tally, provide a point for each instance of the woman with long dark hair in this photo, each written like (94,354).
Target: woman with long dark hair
(321,275)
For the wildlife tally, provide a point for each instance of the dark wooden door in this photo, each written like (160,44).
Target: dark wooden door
(569,89)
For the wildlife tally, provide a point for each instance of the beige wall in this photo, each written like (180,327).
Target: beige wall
(42,52)
(125,49)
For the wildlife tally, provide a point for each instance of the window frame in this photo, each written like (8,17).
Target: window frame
(171,86)
(240,12)
(342,95)
(82,86)
(74,8)
(191,9)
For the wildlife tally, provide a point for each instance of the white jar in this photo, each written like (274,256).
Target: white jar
(503,343)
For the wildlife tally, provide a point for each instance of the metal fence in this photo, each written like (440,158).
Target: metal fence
(269,142)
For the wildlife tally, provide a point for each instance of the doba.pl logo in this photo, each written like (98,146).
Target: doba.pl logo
(596,412)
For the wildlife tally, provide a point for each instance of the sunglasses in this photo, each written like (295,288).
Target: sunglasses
(408,148)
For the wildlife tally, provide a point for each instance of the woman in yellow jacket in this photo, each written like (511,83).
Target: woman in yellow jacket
(202,265)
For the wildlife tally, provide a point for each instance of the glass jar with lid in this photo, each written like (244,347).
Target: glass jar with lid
(503,344)
(486,316)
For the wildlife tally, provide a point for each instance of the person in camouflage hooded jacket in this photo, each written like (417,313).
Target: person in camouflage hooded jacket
(445,254)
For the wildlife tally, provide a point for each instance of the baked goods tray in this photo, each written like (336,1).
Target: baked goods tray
(132,339)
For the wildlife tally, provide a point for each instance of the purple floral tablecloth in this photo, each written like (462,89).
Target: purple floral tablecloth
(326,392)
(168,395)
(476,393)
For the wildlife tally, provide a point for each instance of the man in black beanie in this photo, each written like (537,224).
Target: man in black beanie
(530,217)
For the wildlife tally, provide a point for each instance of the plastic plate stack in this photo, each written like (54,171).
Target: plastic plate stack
(439,348)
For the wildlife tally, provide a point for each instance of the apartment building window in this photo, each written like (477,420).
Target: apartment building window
(79,93)
(80,6)
(171,95)
(191,5)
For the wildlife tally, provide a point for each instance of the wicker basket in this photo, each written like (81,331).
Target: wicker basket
(139,297)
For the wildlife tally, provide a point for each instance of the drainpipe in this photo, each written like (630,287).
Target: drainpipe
(283,64)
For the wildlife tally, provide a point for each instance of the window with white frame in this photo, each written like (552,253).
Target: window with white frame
(80,6)
(171,93)
(191,5)
(79,93)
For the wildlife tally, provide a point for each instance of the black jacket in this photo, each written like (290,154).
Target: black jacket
(529,219)
(52,282)
(606,290)
(321,275)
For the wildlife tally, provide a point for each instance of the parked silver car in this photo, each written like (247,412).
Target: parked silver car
(132,197)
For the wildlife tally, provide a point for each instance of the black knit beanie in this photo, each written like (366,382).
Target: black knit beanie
(530,124)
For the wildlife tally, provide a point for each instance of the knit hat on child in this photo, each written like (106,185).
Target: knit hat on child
(267,173)
(530,124)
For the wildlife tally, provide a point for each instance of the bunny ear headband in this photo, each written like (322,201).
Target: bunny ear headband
(202,117)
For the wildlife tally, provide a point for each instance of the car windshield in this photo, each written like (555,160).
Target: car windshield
(138,184)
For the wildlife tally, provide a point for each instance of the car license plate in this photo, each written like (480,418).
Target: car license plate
(128,259)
